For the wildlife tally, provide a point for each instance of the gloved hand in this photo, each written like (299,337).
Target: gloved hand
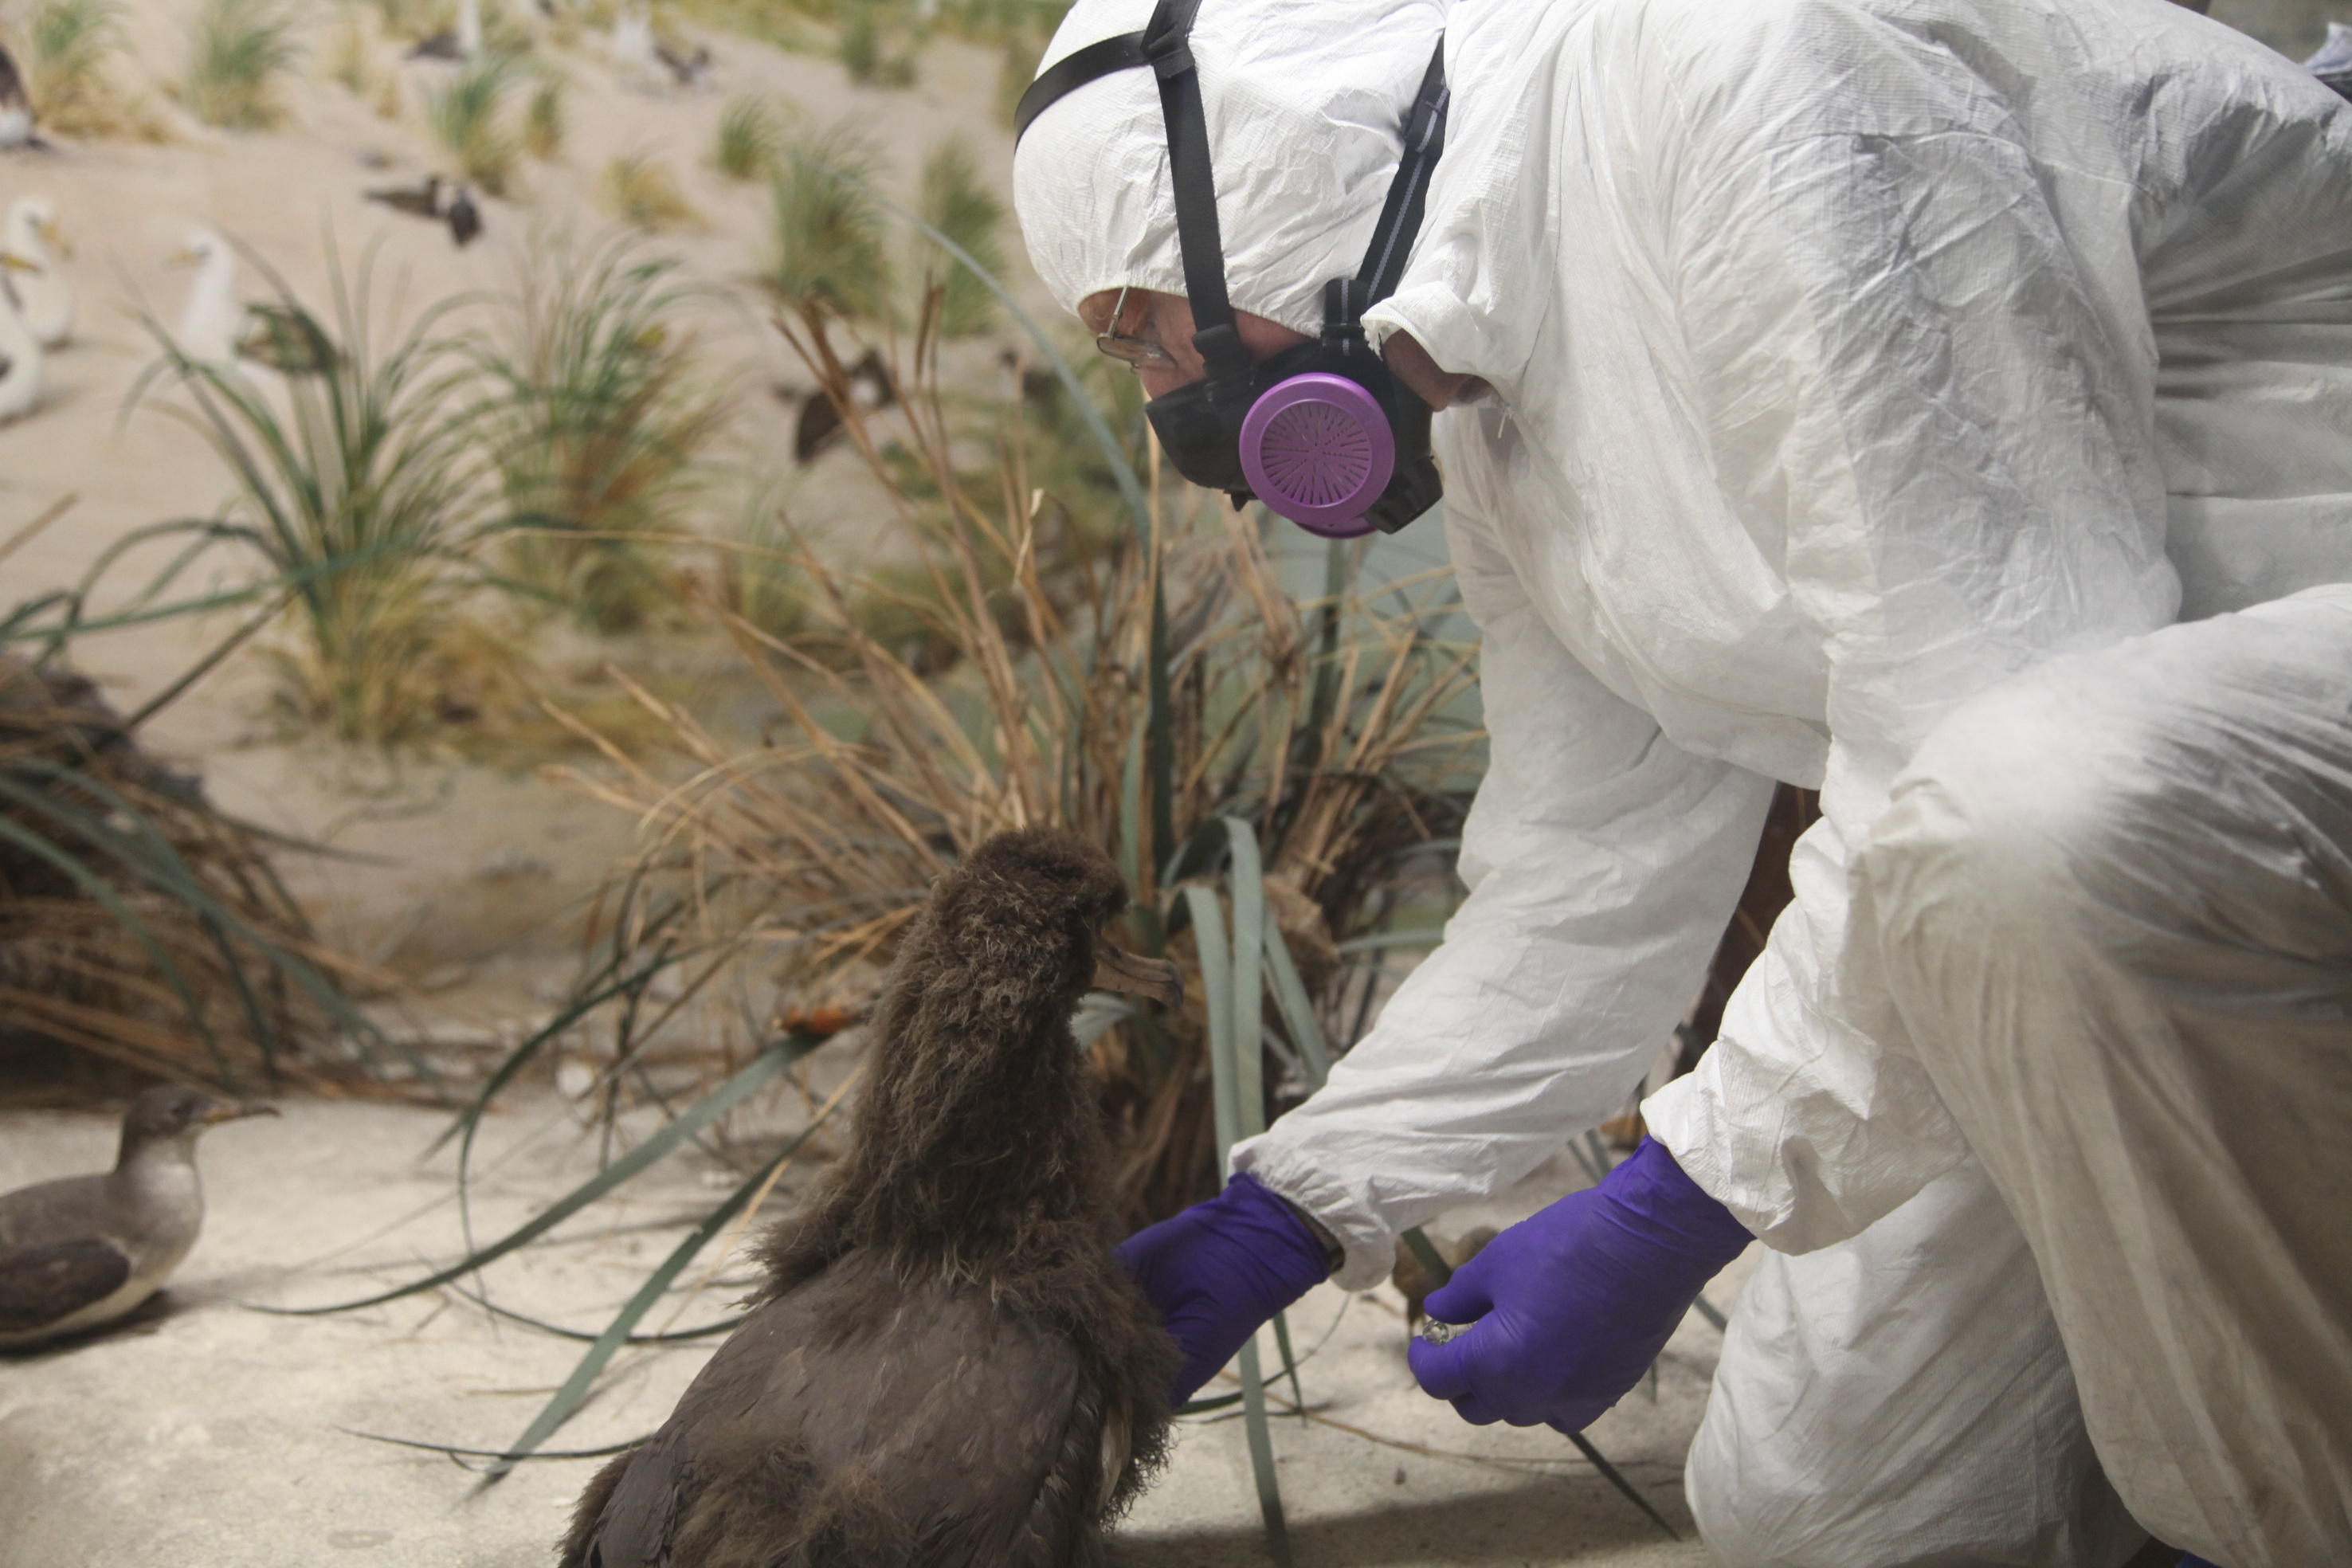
(1222,1268)
(1569,1308)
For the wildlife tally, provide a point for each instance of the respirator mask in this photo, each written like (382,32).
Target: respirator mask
(1322,432)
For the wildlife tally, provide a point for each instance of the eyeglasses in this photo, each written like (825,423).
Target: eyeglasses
(1132,351)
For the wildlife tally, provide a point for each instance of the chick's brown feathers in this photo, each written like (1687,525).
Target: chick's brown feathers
(946,1365)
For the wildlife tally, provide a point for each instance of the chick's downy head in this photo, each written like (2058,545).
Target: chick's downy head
(1028,910)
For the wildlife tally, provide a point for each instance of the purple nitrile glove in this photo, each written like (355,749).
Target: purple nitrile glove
(1570,1307)
(1221,1269)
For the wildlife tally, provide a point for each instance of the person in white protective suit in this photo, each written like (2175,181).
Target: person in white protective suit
(1946,404)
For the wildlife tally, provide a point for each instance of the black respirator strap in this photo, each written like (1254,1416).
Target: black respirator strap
(1164,45)
(1424,142)
(1167,45)
(1072,71)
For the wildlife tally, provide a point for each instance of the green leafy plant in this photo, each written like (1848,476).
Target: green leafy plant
(239,52)
(750,138)
(360,488)
(826,234)
(956,201)
(468,118)
(597,418)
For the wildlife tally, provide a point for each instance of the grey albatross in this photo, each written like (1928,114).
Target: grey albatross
(82,1251)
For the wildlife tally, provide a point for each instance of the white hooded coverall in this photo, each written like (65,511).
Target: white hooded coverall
(1895,398)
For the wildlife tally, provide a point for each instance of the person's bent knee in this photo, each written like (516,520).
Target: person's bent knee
(2001,803)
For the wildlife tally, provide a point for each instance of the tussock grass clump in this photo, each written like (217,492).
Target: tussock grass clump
(877,49)
(469,118)
(599,417)
(750,138)
(639,189)
(545,120)
(1151,689)
(353,65)
(239,53)
(69,46)
(141,928)
(759,580)
(826,233)
(958,202)
(362,488)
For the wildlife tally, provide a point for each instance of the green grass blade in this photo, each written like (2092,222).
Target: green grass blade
(1297,1011)
(575,1388)
(461,1455)
(1248,881)
(95,886)
(1233,1034)
(557,1330)
(733,1092)
(1289,1361)
(1217,994)
(1418,1243)
(1584,1446)
(1160,734)
(1261,1452)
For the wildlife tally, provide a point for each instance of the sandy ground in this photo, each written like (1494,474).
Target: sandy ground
(477,871)
(208,1433)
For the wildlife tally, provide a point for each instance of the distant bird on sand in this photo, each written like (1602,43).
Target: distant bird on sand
(43,296)
(437,199)
(213,319)
(686,70)
(820,425)
(631,45)
(77,1253)
(948,1365)
(417,201)
(464,219)
(462,42)
(16,108)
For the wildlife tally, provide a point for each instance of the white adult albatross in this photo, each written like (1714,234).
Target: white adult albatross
(44,298)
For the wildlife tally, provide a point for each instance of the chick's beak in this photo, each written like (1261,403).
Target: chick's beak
(12,262)
(227,1111)
(1116,969)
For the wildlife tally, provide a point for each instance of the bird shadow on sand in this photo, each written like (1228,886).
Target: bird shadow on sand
(1540,1522)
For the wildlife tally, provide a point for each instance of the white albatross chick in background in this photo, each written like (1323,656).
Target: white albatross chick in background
(44,298)
(20,351)
(632,44)
(213,316)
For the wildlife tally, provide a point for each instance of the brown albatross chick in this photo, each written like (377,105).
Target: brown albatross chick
(947,1367)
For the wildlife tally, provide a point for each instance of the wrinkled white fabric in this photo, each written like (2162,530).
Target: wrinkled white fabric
(1851,358)
(2113,899)
(1306,104)
(1903,1399)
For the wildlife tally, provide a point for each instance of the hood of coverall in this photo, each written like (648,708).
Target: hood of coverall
(1306,102)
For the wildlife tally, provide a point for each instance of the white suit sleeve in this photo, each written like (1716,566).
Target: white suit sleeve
(1602,862)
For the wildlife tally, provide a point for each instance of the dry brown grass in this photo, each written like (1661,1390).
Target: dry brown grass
(140,930)
(781,875)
